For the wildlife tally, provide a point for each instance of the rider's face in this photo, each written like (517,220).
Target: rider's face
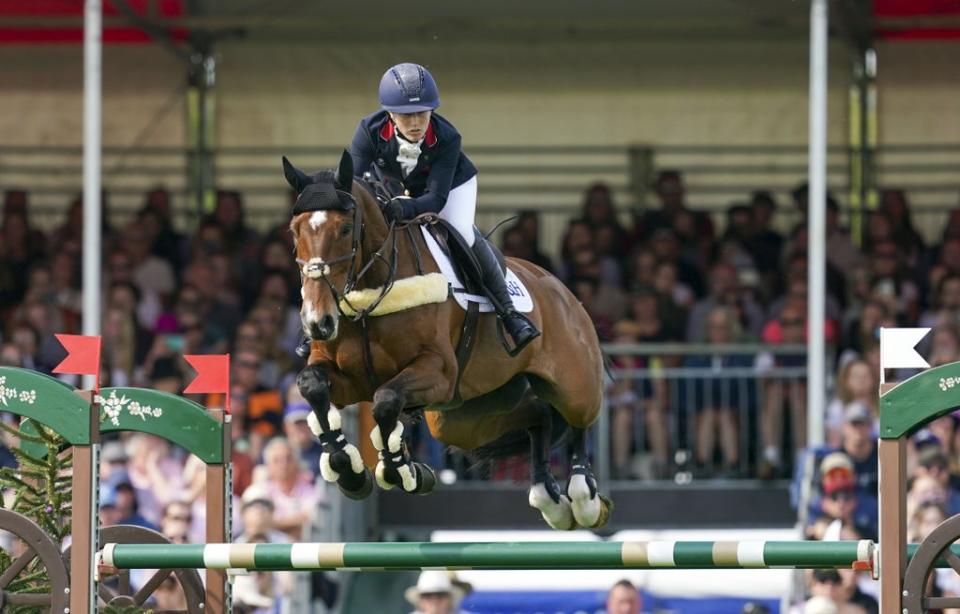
(413,126)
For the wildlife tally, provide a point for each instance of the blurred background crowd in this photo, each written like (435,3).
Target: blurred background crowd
(665,278)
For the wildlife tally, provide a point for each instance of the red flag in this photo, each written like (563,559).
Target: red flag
(83,356)
(213,374)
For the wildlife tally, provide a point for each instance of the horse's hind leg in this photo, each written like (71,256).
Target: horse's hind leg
(340,461)
(590,509)
(545,494)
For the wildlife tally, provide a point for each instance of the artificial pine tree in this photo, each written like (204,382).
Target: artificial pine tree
(42,492)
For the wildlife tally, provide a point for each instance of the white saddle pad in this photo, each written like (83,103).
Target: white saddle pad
(518,292)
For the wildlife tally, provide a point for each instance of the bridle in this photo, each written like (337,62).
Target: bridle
(320,269)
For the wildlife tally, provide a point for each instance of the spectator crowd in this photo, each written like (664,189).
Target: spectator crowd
(669,274)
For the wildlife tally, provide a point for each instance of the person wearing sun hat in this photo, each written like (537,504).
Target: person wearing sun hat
(437,592)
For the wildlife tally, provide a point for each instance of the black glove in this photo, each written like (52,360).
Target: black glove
(393,210)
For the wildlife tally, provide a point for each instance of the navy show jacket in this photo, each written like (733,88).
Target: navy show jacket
(441,167)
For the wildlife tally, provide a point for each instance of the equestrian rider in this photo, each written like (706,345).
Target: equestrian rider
(407,143)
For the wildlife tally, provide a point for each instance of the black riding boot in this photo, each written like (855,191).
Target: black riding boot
(520,329)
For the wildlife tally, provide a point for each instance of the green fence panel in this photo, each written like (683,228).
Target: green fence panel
(918,400)
(48,401)
(166,415)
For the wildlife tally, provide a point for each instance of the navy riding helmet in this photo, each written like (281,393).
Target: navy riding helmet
(408,88)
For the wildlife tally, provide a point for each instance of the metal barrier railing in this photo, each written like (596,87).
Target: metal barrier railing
(661,412)
(695,411)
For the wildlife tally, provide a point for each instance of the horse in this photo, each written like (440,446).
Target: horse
(355,265)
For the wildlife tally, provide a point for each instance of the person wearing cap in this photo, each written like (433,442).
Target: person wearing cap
(624,598)
(437,592)
(840,499)
(119,497)
(113,457)
(109,512)
(417,155)
(298,433)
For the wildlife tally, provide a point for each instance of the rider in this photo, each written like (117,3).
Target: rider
(407,143)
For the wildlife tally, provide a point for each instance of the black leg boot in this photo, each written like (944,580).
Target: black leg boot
(520,329)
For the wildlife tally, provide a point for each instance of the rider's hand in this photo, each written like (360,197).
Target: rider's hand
(393,210)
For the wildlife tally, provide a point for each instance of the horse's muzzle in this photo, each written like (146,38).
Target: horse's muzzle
(325,329)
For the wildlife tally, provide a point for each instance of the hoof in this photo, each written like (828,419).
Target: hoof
(559,515)
(426,479)
(586,503)
(356,486)
(414,478)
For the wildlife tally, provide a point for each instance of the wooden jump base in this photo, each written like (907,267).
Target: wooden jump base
(496,555)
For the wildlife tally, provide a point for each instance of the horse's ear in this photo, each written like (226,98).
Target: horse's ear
(345,171)
(295,177)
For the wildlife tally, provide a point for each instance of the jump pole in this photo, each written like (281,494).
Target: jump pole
(366,556)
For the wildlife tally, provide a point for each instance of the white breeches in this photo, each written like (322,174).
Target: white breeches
(460,208)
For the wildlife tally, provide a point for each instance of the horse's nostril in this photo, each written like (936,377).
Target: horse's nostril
(326,323)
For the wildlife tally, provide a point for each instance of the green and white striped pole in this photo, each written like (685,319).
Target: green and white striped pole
(500,555)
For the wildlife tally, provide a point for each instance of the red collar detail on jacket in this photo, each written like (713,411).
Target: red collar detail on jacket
(386,133)
(430,138)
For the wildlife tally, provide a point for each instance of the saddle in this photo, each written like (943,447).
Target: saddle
(461,256)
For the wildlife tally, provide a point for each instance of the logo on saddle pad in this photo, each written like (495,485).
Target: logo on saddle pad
(522,301)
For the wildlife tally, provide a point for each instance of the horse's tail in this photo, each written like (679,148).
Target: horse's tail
(516,444)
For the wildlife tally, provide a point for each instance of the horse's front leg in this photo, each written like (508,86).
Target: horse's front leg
(423,382)
(340,461)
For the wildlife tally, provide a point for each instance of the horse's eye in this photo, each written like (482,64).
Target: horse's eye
(346,230)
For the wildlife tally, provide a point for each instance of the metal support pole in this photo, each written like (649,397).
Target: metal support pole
(200,130)
(816,220)
(92,252)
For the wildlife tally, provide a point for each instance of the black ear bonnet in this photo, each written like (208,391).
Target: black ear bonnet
(323,196)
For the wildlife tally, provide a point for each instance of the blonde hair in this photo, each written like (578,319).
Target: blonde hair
(843,391)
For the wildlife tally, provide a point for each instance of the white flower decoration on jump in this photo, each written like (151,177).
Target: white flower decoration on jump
(947,383)
(112,406)
(9,392)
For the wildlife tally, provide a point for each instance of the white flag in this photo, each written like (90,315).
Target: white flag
(896,348)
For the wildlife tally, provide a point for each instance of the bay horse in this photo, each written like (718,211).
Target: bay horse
(405,360)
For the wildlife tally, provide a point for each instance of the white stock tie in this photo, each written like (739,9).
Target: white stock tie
(408,156)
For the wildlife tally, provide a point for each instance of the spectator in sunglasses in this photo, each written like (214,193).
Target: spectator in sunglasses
(841,501)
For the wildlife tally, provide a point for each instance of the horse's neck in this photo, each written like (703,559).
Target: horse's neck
(407,243)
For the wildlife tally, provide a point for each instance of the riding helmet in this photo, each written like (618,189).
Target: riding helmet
(408,88)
